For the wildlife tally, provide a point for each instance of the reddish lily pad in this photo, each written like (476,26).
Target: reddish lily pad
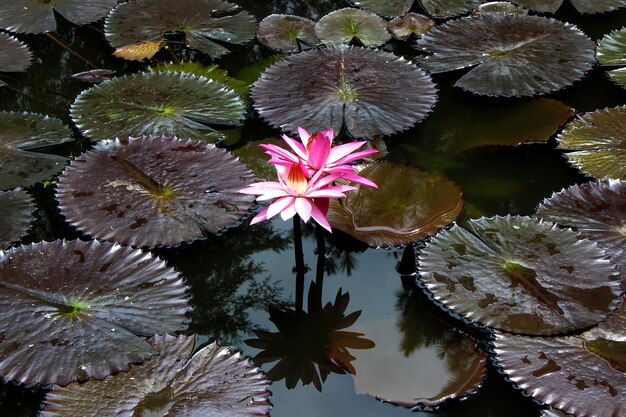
(512,55)
(284,32)
(582,375)
(14,55)
(82,306)
(16,213)
(612,51)
(500,7)
(410,24)
(598,140)
(408,206)
(521,275)
(206,25)
(385,8)
(344,25)
(583,6)
(339,87)
(153,190)
(211,382)
(37,16)
(448,8)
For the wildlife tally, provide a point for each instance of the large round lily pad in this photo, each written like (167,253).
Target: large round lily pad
(520,274)
(22,139)
(448,8)
(612,51)
(284,32)
(206,24)
(512,55)
(211,382)
(408,206)
(344,25)
(16,213)
(598,142)
(582,375)
(153,191)
(363,91)
(165,103)
(81,306)
(583,6)
(37,16)
(14,55)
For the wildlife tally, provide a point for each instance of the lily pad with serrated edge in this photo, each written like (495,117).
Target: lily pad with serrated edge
(512,55)
(82,306)
(583,6)
(521,275)
(410,24)
(385,8)
(618,76)
(153,191)
(284,32)
(344,25)
(14,55)
(23,136)
(448,8)
(583,375)
(165,103)
(500,7)
(597,210)
(554,413)
(598,142)
(207,24)
(16,213)
(211,382)
(408,206)
(341,87)
(37,16)
(612,51)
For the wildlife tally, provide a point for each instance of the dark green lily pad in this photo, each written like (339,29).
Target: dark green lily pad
(166,103)
(583,6)
(385,8)
(14,55)
(339,87)
(207,24)
(612,51)
(22,136)
(344,25)
(284,32)
(16,213)
(82,305)
(500,7)
(512,55)
(212,382)
(521,275)
(448,8)
(408,206)
(582,375)
(255,158)
(597,211)
(598,140)
(410,24)
(153,191)
(37,16)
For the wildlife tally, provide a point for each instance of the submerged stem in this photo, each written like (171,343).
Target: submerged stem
(70,50)
(299,253)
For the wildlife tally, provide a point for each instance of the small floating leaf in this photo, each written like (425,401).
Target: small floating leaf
(22,135)
(342,26)
(211,382)
(284,32)
(387,7)
(166,103)
(16,212)
(598,140)
(448,8)
(153,191)
(410,24)
(583,6)
(14,55)
(94,76)
(500,7)
(513,55)
(82,305)
(139,51)
(340,87)
(521,275)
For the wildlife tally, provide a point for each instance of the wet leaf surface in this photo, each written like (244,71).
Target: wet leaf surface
(344,25)
(385,8)
(154,191)
(94,76)
(583,6)
(283,32)
(512,55)
(612,51)
(598,143)
(23,137)
(14,55)
(448,8)
(16,213)
(500,7)
(211,382)
(521,275)
(410,24)
(166,103)
(339,87)
(82,305)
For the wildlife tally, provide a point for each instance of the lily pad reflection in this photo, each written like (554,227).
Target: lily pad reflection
(14,55)
(286,32)
(16,212)
(344,25)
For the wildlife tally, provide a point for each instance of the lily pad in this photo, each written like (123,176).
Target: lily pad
(82,306)
(619,76)
(211,382)
(512,55)
(408,206)
(284,32)
(521,275)
(37,16)
(598,140)
(385,8)
(340,88)
(157,104)
(597,211)
(410,24)
(583,6)
(14,55)
(22,139)
(153,191)
(16,212)
(449,8)
(344,25)
(612,51)
(582,375)
(207,24)
(500,7)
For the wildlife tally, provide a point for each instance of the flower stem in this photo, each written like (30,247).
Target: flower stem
(321,256)
(297,245)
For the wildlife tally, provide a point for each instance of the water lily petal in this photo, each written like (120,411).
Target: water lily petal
(319,217)
(319,150)
(278,206)
(359,180)
(289,211)
(297,147)
(276,151)
(262,216)
(341,151)
(304,136)
(357,155)
(303,208)
(325,193)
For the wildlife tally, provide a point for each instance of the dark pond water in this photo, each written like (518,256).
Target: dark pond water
(234,277)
